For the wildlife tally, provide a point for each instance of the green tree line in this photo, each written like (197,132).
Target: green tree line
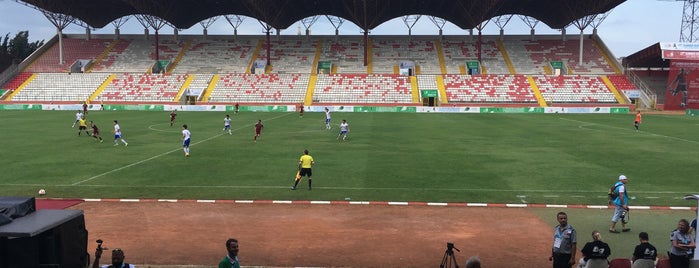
(16,49)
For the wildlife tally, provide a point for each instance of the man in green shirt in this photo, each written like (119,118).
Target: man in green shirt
(231,259)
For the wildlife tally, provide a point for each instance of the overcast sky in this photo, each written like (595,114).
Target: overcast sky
(630,27)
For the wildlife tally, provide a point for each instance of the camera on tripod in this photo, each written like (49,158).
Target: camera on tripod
(448,260)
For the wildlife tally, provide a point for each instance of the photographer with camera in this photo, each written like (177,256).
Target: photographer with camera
(621,205)
(117,258)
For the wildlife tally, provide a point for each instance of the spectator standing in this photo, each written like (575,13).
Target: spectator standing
(231,258)
(644,253)
(565,240)
(621,205)
(596,252)
(682,244)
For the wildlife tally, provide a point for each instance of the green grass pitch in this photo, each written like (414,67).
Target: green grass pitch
(503,158)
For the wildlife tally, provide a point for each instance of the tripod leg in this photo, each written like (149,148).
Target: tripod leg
(445,260)
(453,258)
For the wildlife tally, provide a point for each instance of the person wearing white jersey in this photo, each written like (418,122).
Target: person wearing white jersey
(344,129)
(327,118)
(117,134)
(78,116)
(227,124)
(186,135)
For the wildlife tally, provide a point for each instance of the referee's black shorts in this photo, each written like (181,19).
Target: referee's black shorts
(305,172)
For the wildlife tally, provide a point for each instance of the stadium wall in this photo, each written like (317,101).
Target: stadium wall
(350,109)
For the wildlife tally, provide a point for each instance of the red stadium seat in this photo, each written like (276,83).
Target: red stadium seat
(620,263)
(663,263)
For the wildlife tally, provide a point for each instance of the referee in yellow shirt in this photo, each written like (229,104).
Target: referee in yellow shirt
(305,165)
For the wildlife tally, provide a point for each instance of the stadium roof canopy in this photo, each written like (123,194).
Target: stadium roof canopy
(650,57)
(367,14)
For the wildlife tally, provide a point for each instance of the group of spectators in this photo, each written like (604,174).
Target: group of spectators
(228,261)
(596,252)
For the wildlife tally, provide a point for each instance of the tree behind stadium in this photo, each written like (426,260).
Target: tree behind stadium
(16,49)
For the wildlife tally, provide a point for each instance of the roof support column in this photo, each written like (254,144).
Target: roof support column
(366,47)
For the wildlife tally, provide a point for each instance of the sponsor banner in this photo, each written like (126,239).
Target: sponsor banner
(585,110)
(276,108)
(511,110)
(319,109)
(691,112)
(144,107)
(632,93)
(380,109)
(21,107)
(680,55)
(682,90)
(64,107)
(679,46)
(619,110)
(427,109)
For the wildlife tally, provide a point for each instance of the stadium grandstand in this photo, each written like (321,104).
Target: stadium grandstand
(533,70)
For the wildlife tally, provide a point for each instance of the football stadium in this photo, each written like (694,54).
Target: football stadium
(368,150)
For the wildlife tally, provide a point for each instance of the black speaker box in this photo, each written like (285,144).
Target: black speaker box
(64,246)
(15,206)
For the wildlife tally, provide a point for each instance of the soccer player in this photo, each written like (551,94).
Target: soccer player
(186,135)
(637,122)
(327,118)
(227,124)
(117,134)
(82,126)
(258,129)
(78,115)
(236,108)
(173,114)
(95,131)
(301,110)
(84,107)
(344,129)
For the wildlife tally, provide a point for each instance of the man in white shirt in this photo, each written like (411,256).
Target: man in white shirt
(186,135)
(117,135)
(344,129)
(78,116)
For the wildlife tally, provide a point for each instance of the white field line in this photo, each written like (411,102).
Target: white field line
(645,132)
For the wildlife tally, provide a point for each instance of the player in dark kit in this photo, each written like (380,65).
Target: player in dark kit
(258,129)
(95,131)
(173,114)
(301,111)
